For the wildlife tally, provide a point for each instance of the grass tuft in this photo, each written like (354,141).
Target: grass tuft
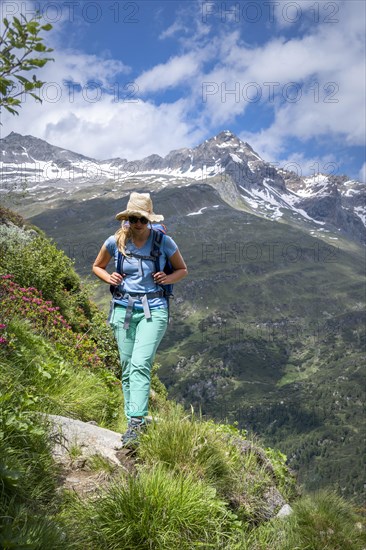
(183,443)
(158,509)
(320,521)
(325,520)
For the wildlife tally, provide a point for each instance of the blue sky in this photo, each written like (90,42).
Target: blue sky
(132,78)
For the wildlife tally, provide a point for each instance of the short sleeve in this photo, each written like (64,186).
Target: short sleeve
(111,245)
(170,247)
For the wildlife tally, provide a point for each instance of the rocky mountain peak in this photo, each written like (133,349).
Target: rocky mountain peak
(225,148)
(14,135)
(229,141)
(225,136)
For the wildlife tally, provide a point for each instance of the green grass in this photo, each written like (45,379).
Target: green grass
(218,454)
(55,386)
(325,520)
(184,444)
(28,479)
(157,509)
(296,374)
(75,451)
(98,463)
(22,528)
(177,498)
(319,521)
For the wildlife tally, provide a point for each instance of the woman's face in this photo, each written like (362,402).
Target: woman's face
(139,225)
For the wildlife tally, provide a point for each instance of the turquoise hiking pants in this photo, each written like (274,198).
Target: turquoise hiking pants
(137,348)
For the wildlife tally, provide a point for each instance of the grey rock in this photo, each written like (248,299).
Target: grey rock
(273,501)
(67,433)
(285,511)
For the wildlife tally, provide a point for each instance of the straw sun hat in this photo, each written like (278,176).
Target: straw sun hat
(140,204)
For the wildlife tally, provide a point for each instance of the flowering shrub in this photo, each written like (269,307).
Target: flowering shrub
(36,263)
(45,319)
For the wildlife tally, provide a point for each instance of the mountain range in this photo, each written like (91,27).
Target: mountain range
(268,328)
(320,202)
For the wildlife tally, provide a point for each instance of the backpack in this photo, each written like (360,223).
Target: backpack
(159,230)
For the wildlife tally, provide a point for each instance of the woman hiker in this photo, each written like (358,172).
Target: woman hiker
(139,317)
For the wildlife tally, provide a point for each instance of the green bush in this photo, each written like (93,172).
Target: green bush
(46,320)
(157,509)
(43,271)
(40,264)
(13,238)
(23,529)
(7,215)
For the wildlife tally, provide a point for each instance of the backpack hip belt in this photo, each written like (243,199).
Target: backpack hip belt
(132,298)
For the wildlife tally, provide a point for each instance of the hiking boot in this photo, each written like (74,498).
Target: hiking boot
(131,436)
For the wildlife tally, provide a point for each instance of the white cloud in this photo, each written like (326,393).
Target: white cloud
(310,166)
(104,129)
(189,27)
(86,109)
(313,84)
(174,29)
(131,131)
(305,13)
(170,74)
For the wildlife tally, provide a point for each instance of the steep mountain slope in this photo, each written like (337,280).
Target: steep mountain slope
(268,329)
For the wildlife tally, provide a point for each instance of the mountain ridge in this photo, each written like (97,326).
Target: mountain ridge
(334,202)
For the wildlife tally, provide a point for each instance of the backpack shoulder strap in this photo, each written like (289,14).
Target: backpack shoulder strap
(119,262)
(157,238)
(155,247)
(119,269)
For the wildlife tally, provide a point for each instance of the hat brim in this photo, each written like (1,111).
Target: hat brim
(141,213)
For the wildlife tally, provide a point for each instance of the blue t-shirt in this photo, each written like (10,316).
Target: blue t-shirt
(132,281)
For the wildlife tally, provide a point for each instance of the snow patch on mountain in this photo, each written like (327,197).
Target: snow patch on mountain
(198,212)
(360,212)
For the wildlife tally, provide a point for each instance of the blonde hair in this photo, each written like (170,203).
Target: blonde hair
(122,236)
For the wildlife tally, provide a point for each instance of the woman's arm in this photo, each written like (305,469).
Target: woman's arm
(99,268)
(180,271)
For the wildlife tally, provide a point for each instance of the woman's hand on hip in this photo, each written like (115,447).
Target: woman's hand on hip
(160,278)
(115,279)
